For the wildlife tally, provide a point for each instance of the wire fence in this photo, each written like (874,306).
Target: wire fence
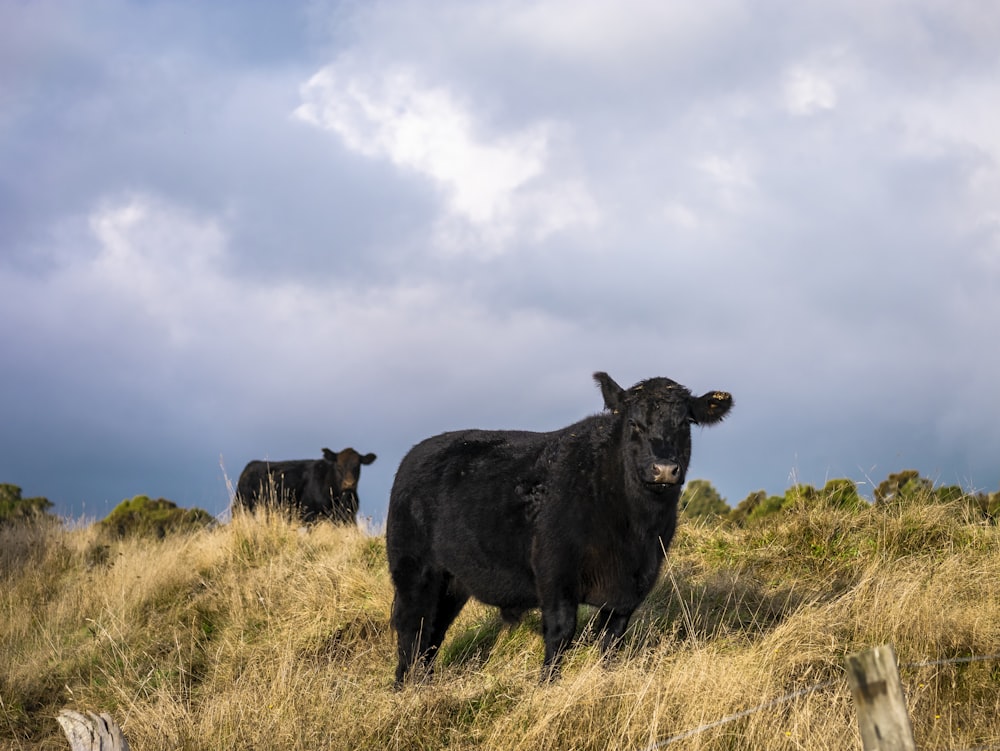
(793,695)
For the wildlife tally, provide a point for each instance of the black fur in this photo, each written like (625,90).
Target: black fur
(521,520)
(315,489)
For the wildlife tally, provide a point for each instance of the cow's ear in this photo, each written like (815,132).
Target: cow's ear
(613,393)
(711,407)
(330,456)
(368,458)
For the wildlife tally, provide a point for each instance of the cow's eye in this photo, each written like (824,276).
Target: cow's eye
(636,427)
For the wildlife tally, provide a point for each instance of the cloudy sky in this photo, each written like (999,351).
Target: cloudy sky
(249,230)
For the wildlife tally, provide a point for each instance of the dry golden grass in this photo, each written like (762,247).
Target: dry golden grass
(258,634)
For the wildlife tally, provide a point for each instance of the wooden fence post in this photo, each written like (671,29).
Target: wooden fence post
(91,732)
(878,697)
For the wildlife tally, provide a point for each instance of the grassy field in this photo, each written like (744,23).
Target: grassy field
(258,634)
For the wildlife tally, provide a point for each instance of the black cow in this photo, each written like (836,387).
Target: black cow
(324,488)
(521,520)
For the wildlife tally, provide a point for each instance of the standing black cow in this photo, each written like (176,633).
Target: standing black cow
(324,488)
(520,520)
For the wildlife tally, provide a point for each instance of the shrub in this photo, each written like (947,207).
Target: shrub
(141,516)
(701,500)
(755,506)
(14,508)
(799,496)
(902,487)
(985,505)
(843,494)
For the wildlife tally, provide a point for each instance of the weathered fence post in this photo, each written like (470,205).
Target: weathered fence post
(878,697)
(91,732)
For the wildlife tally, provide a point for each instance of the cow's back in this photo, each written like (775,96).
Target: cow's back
(281,482)
(464,469)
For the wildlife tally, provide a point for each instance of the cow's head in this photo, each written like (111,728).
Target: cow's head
(345,473)
(655,418)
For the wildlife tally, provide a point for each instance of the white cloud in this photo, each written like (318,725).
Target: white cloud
(156,288)
(680,215)
(428,130)
(559,207)
(821,81)
(961,126)
(730,180)
(808,91)
(730,172)
(604,34)
(497,187)
(152,257)
(144,276)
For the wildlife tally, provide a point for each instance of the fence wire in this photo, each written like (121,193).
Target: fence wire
(743,713)
(791,696)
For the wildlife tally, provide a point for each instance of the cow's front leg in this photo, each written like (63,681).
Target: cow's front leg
(558,627)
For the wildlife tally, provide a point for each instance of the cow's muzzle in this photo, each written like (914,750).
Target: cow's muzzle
(665,473)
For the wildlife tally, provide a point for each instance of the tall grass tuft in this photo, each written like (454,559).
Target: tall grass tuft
(261,633)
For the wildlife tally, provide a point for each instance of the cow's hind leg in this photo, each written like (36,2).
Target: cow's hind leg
(414,611)
(427,602)
(451,598)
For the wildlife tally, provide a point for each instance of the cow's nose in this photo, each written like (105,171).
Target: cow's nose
(666,473)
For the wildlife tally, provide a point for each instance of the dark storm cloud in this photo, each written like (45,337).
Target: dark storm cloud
(251,231)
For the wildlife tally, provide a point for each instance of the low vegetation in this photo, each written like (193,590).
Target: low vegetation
(145,517)
(702,501)
(259,633)
(14,508)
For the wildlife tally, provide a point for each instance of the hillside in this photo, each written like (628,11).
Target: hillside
(258,634)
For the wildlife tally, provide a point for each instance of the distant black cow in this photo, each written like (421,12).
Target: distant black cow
(520,520)
(324,488)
